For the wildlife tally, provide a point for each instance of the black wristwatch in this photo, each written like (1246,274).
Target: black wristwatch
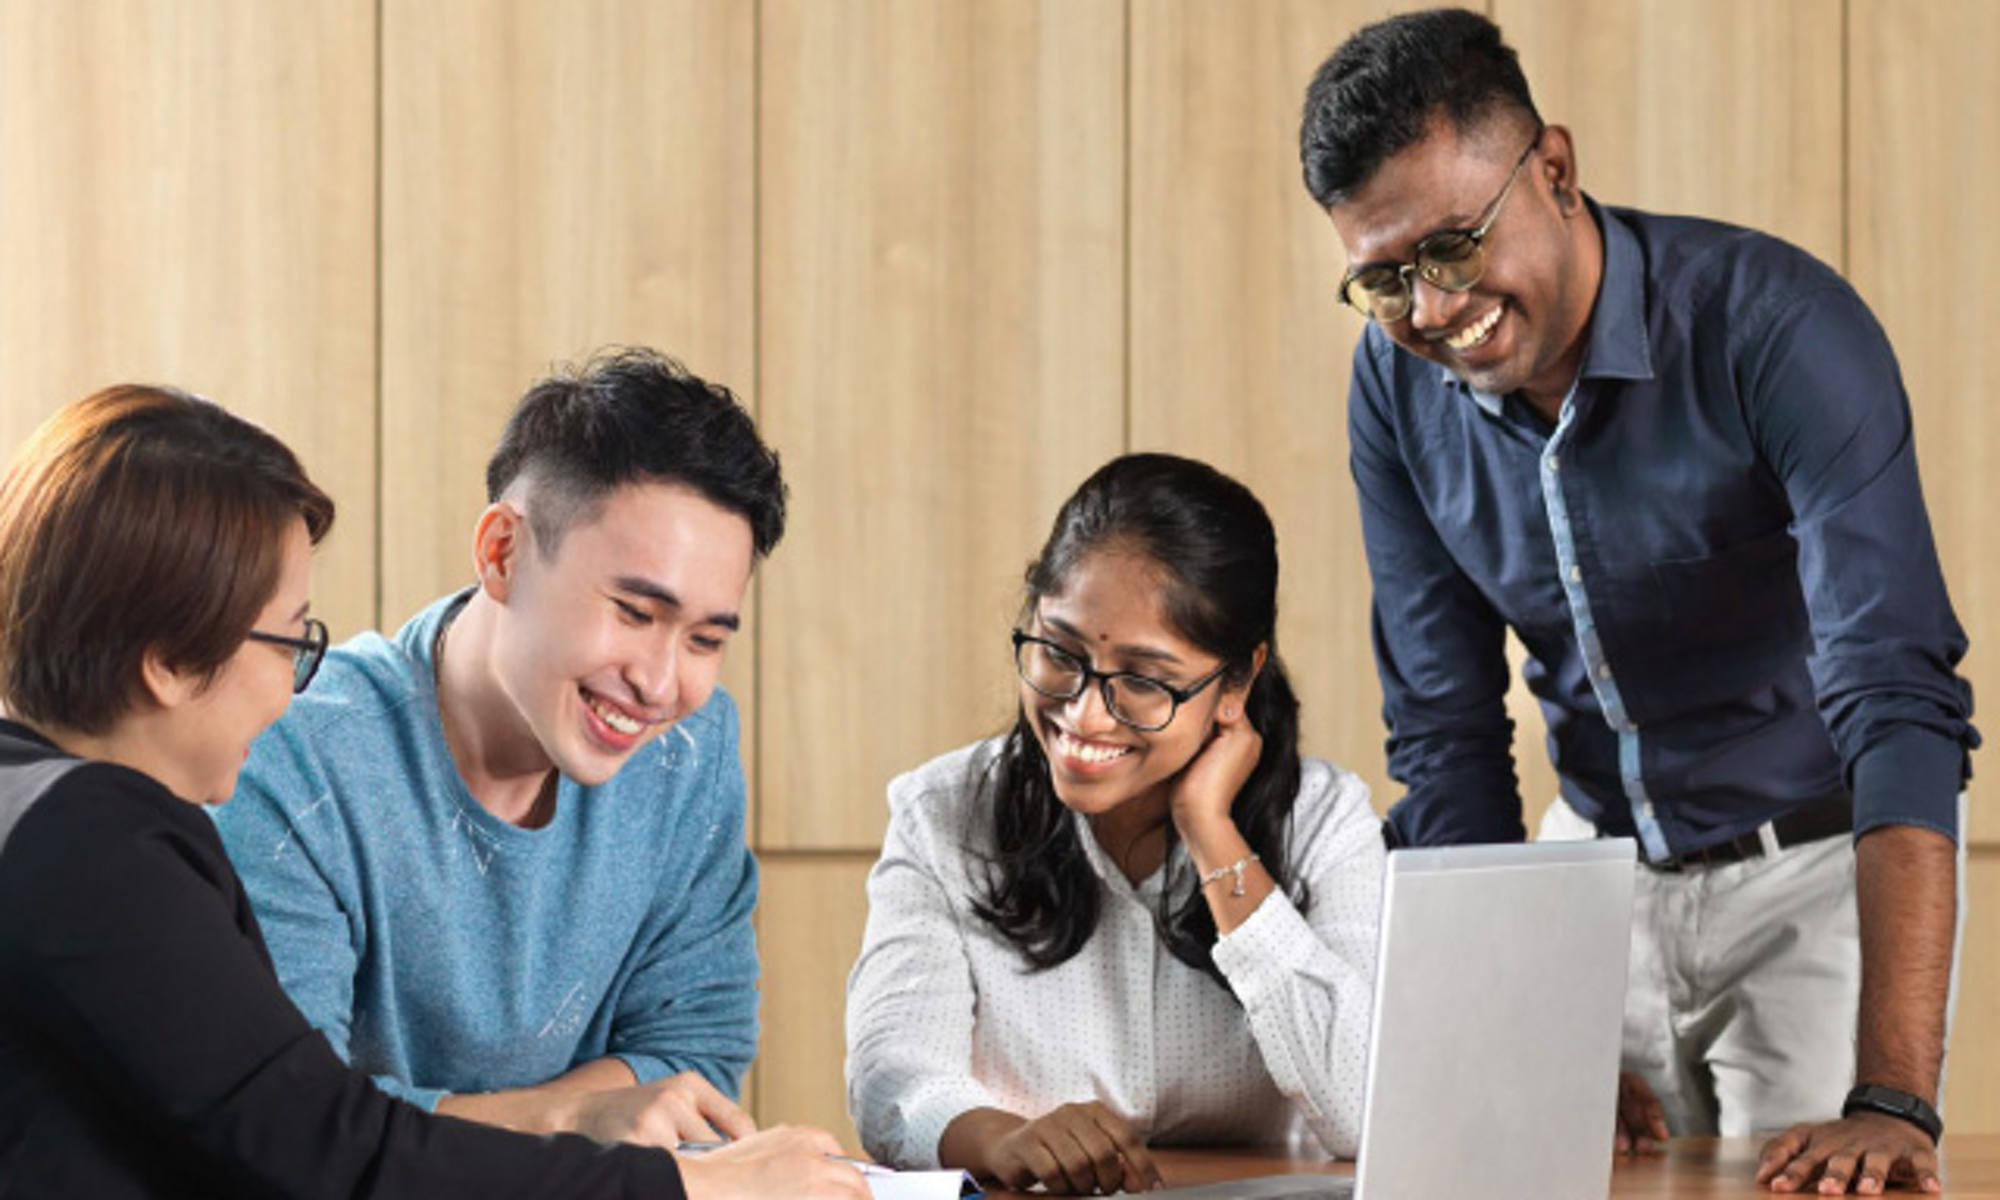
(1873,1097)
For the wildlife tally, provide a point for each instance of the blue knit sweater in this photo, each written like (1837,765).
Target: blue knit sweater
(443,950)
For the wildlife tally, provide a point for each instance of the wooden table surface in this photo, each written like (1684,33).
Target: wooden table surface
(1709,1168)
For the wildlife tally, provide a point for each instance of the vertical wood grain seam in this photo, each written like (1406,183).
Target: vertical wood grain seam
(1846,138)
(753,1081)
(756,799)
(381,480)
(1125,231)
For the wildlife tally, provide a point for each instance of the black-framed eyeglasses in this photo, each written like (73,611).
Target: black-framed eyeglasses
(306,651)
(1451,260)
(1146,704)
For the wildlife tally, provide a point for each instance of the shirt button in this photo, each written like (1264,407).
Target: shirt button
(1575,574)
(1550,462)
(1604,670)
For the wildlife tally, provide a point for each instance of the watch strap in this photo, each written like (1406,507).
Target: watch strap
(1873,1097)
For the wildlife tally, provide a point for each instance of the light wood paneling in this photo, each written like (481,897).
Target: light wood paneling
(810,918)
(1533,767)
(903,226)
(557,177)
(1972,1075)
(1714,107)
(187,197)
(1240,352)
(940,326)
(1924,115)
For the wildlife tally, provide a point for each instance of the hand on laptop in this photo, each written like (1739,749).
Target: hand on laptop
(1869,1150)
(791,1162)
(1079,1149)
(1642,1121)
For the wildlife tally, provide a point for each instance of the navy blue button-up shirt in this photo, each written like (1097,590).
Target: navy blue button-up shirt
(1718,559)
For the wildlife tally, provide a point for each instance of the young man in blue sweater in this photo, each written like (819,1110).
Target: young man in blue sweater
(499,858)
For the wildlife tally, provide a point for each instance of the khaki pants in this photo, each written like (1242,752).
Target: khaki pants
(1744,985)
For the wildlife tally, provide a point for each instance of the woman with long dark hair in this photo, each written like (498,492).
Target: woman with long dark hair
(1139,917)
(155,571)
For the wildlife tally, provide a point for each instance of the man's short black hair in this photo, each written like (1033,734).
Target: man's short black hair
(634,416)
(1379,92)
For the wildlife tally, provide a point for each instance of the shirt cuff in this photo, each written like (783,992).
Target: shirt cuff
(1911,777)
(926,1111)
(644,1067)
(1259,955)
(424,1098)
(1453,810)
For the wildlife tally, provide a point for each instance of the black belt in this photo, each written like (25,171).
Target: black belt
(1813,821)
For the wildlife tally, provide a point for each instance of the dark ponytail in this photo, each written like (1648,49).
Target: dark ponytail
(1218,556)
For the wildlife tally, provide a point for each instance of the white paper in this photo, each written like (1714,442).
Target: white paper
(916,1185)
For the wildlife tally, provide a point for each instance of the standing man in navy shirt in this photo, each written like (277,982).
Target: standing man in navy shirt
(1675,457)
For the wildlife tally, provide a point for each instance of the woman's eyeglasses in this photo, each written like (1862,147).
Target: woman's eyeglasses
(306,651)
(1146,704)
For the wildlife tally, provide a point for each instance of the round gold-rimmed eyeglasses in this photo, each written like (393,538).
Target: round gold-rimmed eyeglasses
(1451,260)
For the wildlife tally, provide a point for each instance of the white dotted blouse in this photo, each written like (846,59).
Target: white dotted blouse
(944,1016)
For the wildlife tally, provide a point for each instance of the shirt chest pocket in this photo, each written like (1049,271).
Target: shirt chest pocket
(1709,629)
(1733,622)
(1745,597)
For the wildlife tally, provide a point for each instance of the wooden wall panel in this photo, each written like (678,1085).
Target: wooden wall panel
(810,917)
(1972,1073)
(940,324)
(1924,118)
(187,197)
(961,253)
(557,177)
(1239,350)
(1713,107)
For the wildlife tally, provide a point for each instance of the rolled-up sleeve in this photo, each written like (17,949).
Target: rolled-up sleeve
(1832,418)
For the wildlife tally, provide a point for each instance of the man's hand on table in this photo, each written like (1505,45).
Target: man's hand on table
(1642,1122)
(1870,1151)
(679,1108)
(1905,881)
(1079,1150)
(600,1101)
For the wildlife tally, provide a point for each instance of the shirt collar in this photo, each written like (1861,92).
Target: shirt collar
(1618,347)
(1147,889)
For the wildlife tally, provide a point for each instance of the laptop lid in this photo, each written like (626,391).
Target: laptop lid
(1498,1011)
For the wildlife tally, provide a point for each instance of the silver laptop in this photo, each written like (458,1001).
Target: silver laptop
(1493,1061)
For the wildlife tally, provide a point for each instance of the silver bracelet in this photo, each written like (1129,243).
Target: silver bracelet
(1236,869)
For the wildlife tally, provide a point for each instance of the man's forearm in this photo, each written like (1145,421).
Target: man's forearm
(1906,881)
(537,1109)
